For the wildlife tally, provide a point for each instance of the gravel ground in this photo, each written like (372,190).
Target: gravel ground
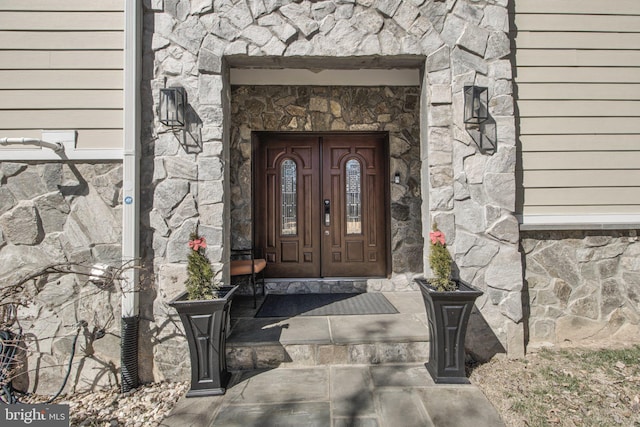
(145,406)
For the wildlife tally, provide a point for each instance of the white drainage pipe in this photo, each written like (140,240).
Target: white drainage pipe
(55,146)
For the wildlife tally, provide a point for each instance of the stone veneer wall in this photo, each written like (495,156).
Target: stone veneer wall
(186,176)
(55,213)
(583,286)
(296,108)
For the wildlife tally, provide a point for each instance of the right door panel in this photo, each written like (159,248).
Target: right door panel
(354,242)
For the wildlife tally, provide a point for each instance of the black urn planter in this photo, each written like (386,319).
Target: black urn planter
(447,315)
(205,324)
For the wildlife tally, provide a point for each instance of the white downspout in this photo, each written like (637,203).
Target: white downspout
(131,193)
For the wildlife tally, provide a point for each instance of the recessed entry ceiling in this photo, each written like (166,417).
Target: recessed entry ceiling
(306,77)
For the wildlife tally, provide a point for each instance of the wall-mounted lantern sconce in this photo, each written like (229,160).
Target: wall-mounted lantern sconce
(172,106)
(476,101)
(476,114)
(396,178)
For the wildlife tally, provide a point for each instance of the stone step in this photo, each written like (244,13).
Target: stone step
(257,343)
(315,286)
(260,356)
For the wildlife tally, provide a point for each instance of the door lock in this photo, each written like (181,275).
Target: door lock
(327,212)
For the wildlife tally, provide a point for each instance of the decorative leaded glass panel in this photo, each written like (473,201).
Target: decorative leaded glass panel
(353,203)
(289,198)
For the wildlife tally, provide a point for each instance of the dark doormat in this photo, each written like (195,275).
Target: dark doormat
(290,305)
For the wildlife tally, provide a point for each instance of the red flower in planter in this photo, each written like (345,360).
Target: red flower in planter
(196,244)
(437,237)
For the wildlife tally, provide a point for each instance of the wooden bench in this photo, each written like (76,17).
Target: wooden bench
(244,263)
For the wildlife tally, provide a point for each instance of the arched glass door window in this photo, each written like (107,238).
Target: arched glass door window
(289,198)
(353,174)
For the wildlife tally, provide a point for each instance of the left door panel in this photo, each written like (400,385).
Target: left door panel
(287,189)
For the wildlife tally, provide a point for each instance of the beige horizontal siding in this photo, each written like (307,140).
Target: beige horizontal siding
(577,22)
(61,59)
(583,40)
(583,196)
(586,209)
(582,108)
(50,40)
(61,67)
(578,75)
(578,100)
(86,138)
(61,119)
(577,91)
(593,142)
(61,79)
(63,5)
(62,21)
(578,125)
(585,178)
(60,99)
(575,57)
(581,160)
(596,7)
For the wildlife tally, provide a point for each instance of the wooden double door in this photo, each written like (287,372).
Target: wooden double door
(321,203)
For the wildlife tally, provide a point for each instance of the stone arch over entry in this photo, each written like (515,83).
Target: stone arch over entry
(460,42)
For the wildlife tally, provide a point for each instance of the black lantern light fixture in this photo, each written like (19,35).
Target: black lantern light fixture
(476,101)
(480,126)
(172,106)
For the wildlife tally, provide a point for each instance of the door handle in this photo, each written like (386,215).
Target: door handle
(327,212)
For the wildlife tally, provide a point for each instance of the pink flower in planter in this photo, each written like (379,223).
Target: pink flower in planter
(196,244)
(437,237)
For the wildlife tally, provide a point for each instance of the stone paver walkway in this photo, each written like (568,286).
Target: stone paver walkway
(401,395)
(335,371)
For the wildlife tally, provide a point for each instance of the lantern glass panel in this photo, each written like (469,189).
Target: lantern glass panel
(475,104)
(172,102)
